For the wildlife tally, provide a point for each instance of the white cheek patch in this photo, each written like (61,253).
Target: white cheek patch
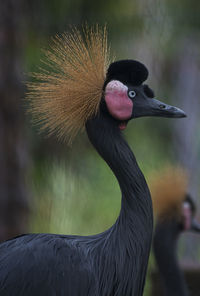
(118,103)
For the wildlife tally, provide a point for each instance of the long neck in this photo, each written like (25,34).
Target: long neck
(109,142)
(132,231)
(165,250)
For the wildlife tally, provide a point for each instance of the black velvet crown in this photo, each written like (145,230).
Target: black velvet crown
(128,72)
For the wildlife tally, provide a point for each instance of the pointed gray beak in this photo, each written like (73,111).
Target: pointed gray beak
(164,110)
(154,107)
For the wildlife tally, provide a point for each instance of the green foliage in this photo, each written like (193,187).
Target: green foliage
(66,202)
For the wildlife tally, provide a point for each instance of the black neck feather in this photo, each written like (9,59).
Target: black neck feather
(132,232)
(106,137)
(165,250)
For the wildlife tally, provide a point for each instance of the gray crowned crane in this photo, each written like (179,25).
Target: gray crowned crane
(79,89)
(175,211)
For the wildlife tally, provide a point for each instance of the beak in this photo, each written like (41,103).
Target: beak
(152,107)
(195,226)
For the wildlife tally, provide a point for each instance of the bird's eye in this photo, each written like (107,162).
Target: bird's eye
(131,94)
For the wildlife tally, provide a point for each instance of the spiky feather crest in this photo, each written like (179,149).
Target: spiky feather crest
(68,89)
(168,190)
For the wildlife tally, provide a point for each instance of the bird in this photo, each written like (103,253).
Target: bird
(175,211)
(83,88)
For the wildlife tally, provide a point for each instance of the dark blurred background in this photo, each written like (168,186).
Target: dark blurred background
(46,186)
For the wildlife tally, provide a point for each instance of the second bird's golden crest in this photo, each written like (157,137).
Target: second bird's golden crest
(168,189)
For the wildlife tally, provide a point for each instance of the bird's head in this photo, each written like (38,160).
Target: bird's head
(170,201)
(78,81)
(126,96)
(188,210)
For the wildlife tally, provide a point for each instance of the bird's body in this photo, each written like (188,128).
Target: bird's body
(110,263)
(77,94)
(165,251)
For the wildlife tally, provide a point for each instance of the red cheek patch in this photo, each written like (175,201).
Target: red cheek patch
(118,103)
(187,216)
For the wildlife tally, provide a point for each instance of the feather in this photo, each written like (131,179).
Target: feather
(68,88)
(168,189)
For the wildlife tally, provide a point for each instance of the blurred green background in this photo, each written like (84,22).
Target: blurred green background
(46,186)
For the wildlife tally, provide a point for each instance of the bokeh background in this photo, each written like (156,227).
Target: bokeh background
(46,186)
